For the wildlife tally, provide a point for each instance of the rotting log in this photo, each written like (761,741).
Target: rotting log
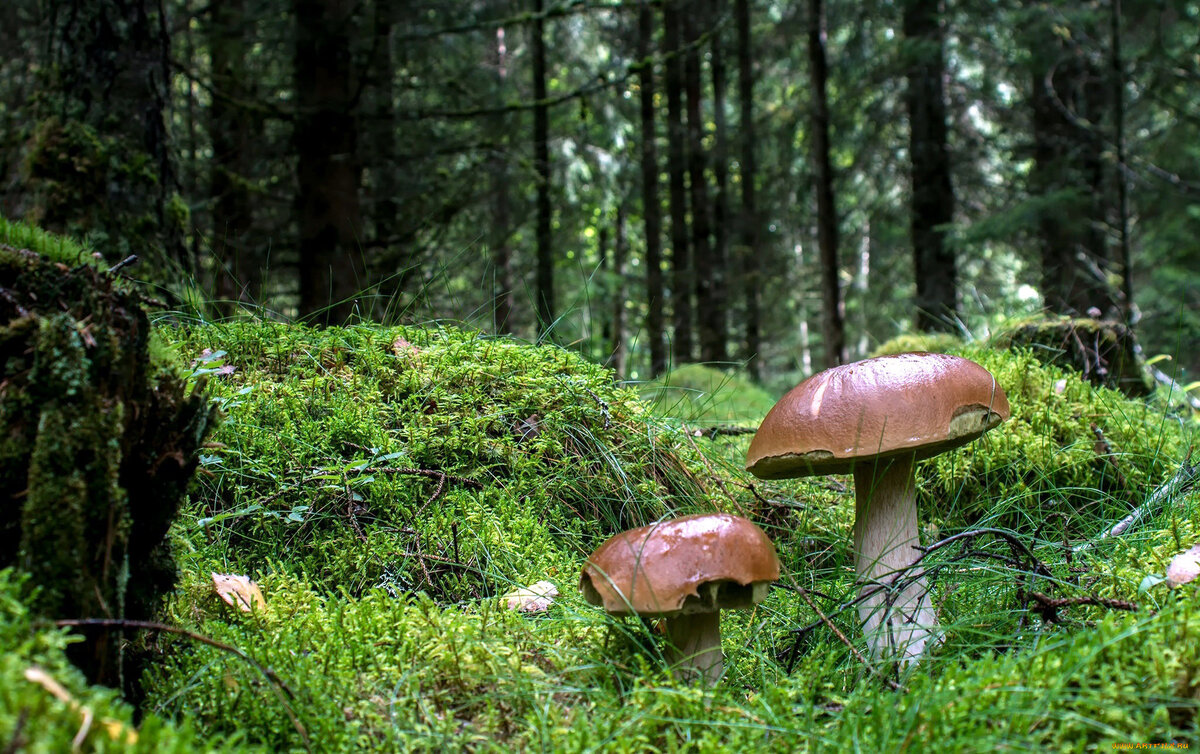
(97,445)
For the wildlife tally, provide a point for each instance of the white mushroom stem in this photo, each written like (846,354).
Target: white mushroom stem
(897,623)
(695,650)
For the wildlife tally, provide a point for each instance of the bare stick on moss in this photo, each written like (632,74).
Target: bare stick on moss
(1049,606)
(274,681)
(1175,487)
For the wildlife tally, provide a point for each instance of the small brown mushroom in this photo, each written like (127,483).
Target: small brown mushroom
(685,571)
(876,418)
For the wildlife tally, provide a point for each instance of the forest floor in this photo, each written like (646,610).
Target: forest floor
(384,488)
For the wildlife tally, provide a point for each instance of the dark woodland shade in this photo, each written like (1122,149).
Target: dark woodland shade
(101,160)
(97,450)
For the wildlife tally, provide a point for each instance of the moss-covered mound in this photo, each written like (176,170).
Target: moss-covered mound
(98,441)
(420,460)
(1103,352)
(47,706)
(1072,457)
(335,445)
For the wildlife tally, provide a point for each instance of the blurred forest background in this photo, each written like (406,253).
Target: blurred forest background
(785,183)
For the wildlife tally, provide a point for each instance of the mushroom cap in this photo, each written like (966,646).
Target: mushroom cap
(922,403)
(692,564)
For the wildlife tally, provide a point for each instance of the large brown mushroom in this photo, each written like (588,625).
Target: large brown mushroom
(875,419)
(684,570)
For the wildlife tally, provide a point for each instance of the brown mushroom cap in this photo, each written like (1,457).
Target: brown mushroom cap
(924,403)
(686,565)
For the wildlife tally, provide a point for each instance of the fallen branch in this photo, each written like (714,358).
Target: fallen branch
(1048,606)
(274,681)
(1182,481)
(1163,378)
(893,685)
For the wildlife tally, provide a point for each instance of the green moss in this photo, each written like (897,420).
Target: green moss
(335,442)
(32,719)
(911,342)
(56,248)
(698,393)
(380,673)
(1072,456)
(427,660)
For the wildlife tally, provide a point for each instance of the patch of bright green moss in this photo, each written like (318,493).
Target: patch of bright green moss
(55,247)
(380,673)
(698,393)
(428,661)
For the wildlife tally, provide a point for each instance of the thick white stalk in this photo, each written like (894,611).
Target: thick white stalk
(897,623)
(696,646)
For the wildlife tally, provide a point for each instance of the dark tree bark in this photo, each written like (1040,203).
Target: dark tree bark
(833,319)
(385,184)
(541,166)
(706,274)
(617,352)
(1068,173)
(502,269)
(932,192)
(108,62)
(231,130)
(681,265)
(749,224)
(651,208)
(720,169)
(332,269)
(1124,256)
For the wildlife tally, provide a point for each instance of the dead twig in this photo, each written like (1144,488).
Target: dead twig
(1048,607)
(713,433)
(892,684)
(1179,483)
(273,680)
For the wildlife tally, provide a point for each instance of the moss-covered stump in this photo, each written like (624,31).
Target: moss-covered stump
(1104,352)
(97,445)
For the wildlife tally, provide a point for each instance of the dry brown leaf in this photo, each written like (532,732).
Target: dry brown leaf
(239,591)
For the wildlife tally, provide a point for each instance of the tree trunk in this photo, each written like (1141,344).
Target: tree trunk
(748,252)
(332,270)
(109,64)
(541,166)
(231,129)
(651,208)
(833,319)
(385,183)
(710,307)
(616,348)
(1068,175)
(932,192)
(681,279)
(720,167)
(1124,256)
(502,271)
